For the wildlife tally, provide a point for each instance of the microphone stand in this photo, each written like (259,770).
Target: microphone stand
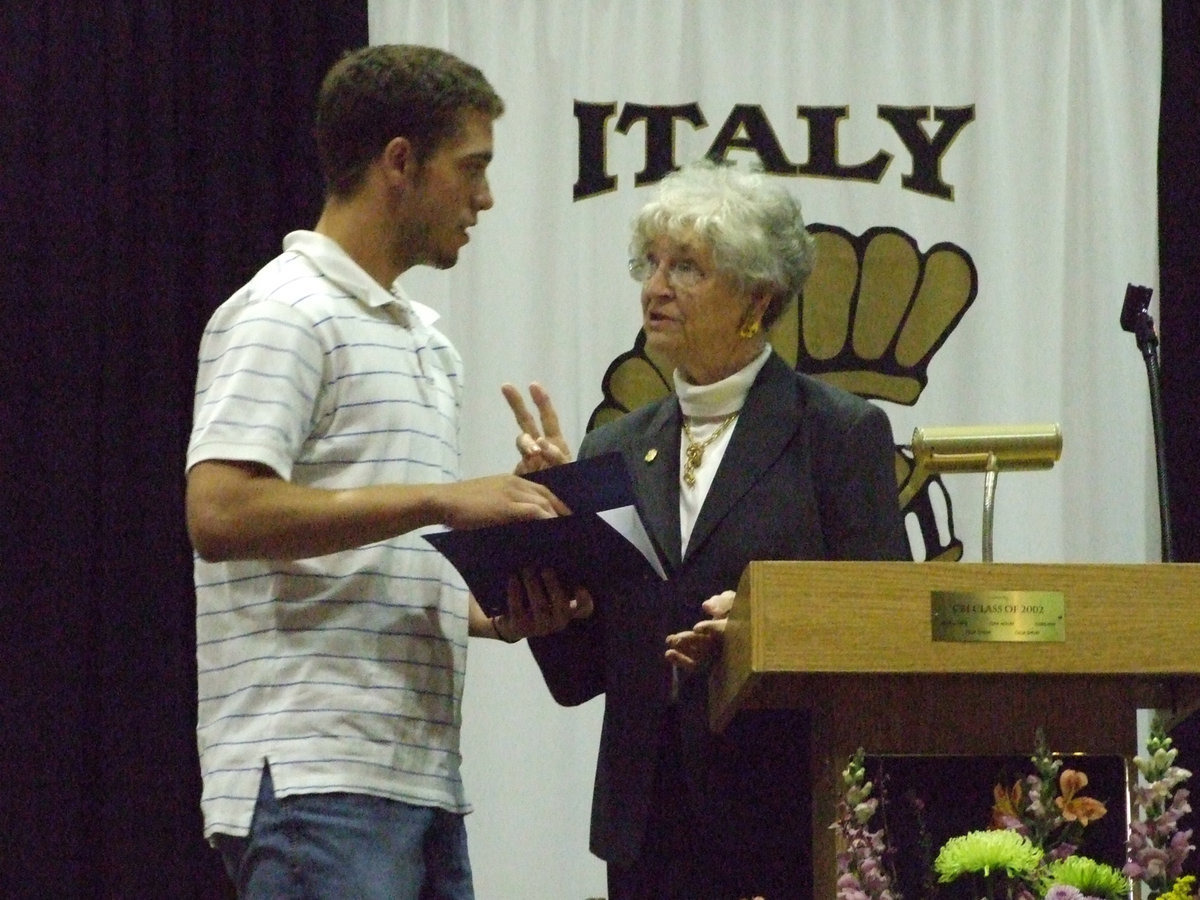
(1136,319)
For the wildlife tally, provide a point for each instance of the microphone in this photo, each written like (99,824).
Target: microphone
(1134,309)
(980,448)
(1136,318)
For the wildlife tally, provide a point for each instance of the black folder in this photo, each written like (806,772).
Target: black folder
(602,545)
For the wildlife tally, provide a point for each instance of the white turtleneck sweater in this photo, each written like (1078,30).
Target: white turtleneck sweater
(704,408)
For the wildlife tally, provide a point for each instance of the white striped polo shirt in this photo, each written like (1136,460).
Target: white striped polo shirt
(344,672)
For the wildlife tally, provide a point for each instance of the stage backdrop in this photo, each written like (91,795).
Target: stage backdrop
(980,178)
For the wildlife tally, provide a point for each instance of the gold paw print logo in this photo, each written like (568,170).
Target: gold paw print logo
(874,312)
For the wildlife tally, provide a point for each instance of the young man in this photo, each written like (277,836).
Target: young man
(331,638)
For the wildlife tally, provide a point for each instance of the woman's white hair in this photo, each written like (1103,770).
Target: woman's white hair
(749,220)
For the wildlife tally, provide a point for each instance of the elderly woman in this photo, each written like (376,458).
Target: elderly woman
(747,460)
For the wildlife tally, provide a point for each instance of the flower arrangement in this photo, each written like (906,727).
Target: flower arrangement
(1031,849)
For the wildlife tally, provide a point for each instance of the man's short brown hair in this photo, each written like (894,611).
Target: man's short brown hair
(392,90)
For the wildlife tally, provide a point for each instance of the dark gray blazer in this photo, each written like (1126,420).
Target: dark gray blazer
(808,474)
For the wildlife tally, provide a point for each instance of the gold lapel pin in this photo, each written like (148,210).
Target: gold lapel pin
(650,454)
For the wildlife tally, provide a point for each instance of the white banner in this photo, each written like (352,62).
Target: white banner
(981,179)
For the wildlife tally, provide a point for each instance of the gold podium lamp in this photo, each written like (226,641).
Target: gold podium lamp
(987,449)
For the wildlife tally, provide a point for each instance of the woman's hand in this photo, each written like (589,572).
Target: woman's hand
(688,650)
(540,445)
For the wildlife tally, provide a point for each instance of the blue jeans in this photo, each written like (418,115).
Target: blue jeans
(327,846)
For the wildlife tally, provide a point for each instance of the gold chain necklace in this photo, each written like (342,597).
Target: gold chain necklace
(693,454)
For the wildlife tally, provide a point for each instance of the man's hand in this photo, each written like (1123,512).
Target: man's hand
(540,445)
(496,499)
(690,649)
(539,604)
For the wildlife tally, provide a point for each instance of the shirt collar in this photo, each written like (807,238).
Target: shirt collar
(337,265)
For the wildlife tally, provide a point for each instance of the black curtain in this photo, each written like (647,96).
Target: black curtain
(1179,281)
(1179,314)
(152,155)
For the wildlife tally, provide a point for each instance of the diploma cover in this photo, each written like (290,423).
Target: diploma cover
(602,545)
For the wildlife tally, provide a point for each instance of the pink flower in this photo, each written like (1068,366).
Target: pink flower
(1149,863)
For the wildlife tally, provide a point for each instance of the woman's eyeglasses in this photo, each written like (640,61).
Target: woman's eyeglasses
(681,274)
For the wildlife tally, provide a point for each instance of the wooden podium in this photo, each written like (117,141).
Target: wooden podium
(854,643)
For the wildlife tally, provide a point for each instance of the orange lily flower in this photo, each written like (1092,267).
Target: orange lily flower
(1077,809)
(1004,812)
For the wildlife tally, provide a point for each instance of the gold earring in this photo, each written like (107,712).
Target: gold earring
(748,329)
